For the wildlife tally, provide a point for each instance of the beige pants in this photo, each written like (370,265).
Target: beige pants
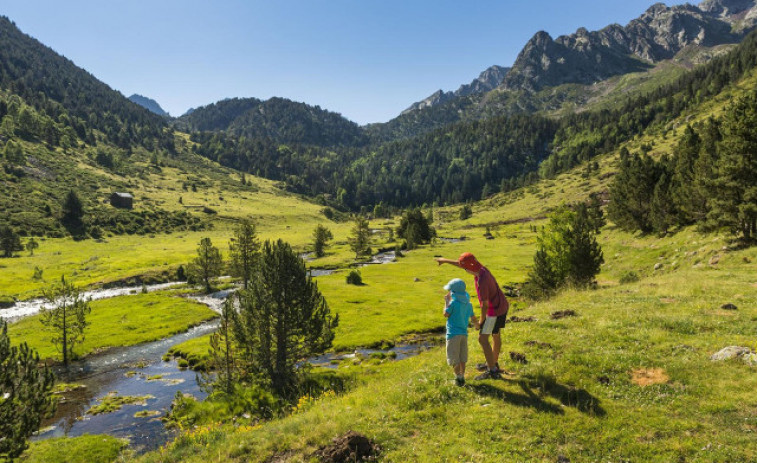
(457,350)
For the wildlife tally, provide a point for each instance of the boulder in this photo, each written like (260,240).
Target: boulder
(729,306)
(731,352)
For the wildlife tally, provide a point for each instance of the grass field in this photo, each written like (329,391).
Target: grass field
(120,321)
(576,397)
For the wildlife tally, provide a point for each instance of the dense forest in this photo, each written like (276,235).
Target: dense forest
(279,119)
(65,95)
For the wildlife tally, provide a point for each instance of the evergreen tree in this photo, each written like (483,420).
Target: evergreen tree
(24,395)
(10,242)
(283,318)
(244,249)
(682,185)
(223,353)
(360,238)
(663,212)
(734,202)
(415,228)
(207,265)
(31,245)
(321,237)
(73,212)
(66,317)
(585,254)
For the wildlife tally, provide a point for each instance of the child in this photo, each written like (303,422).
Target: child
(458,310)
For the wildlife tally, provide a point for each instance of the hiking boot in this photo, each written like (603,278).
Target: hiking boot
(489,374)
(484,367)
(460,381)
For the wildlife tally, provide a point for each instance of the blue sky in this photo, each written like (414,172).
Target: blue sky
(367,59)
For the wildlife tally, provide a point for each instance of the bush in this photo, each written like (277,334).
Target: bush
(354,278)
(629,277)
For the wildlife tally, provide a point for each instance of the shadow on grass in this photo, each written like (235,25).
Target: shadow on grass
(535,389)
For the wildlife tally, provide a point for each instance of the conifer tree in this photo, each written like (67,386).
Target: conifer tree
(10,242)
(244,249)
(66,318)
(360,238)
(585,255)
(24,395)
(734,202)
(682,184)
(207,265)
(283,318)
(321,236)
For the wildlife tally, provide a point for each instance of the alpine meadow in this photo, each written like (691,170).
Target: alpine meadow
(262,279)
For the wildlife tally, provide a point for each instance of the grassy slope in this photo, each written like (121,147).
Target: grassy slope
(278,214)
(84,449)
(120,321)
(555,405)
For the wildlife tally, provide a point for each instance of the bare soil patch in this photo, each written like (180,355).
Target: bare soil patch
(649,376)
(562,314)
(351,447)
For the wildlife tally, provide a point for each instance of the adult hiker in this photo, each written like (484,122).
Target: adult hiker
(494,308)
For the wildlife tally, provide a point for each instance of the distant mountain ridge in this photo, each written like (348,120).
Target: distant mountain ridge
(582,58)
(586,57)
(486,81)
(149,104)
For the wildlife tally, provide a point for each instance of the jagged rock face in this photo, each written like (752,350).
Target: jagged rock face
(486,81)
(587,57)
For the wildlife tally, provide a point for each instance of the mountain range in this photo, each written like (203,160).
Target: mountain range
(586,58)
(149,104)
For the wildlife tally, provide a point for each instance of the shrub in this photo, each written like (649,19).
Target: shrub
(354,278)
(629,277)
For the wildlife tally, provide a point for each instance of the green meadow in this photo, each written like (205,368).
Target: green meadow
(119,321)
(582,395)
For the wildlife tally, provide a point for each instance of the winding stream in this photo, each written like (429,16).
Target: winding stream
(140,371)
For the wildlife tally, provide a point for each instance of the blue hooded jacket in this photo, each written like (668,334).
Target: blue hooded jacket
(460,309)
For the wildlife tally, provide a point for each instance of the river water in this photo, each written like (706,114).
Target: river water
(32,306)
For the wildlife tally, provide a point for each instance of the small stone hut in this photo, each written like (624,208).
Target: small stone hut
(122,200)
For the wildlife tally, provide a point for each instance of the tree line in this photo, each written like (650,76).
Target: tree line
(709,180)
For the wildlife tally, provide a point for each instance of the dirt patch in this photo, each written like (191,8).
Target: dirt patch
(518,357)
(604,380)
(351,447)
(667,300)
(725,313)
(517,319)
(649,376)
(540,345)
(562,314)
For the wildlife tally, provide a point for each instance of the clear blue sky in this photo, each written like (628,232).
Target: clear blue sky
(367,59)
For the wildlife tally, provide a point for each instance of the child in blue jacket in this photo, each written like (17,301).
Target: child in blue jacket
(459,311)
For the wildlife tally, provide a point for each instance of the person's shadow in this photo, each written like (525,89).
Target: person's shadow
(536,389)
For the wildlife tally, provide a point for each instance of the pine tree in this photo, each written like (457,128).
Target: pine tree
(10,242)
(682,184)
(66,317)
(360,238)
(321,236)
(244,249)
(734,202)
(663,211)
(585,254)
(207,265)
(223,353)
(24,395)
(31,245)
(283,318)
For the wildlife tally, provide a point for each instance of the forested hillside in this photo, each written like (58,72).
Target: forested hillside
(66,96)
(279,119)
(466,161)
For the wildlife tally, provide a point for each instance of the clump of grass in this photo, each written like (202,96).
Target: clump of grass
(629,277)
(113,402)
(146,413)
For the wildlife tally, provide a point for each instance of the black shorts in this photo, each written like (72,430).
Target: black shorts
(492,325)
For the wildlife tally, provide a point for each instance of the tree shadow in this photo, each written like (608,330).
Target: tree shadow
(535,389)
